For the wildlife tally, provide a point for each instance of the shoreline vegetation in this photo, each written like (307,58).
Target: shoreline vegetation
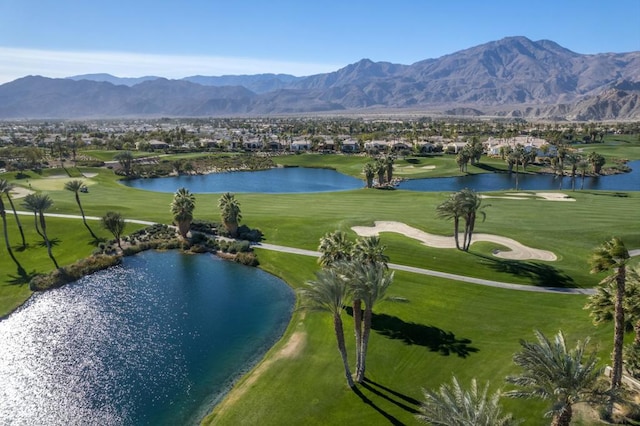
(591,216)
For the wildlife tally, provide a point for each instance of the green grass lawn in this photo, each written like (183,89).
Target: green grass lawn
(445,327)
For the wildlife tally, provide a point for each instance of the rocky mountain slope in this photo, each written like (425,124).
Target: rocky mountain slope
(510,77)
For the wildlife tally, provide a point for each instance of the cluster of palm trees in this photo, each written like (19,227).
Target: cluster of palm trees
(351,272)
(551,371)
(467,205)
(382,168)
(470,153)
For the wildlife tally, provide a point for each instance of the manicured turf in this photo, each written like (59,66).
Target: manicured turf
(445,327)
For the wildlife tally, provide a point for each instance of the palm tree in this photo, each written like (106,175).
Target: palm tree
(76,186)
(573,159)
(40,203)
(114,223)
(182,207)
(369,171)
(368,282)
(5,188)
(517,156)
(329,292)
(454,406)
(369,250)
(230,213)
(583,166)
(334,247)
(612,256)
(556,373)
(30,203)
(381,170)
(471,208)
(451,209)
(3,214)
(602,303)
(388,162)
(597,161)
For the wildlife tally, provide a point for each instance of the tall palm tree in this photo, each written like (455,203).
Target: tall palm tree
(230,212)
(41,203)
(5,188)
(517,156)
(334,247)
(30,203)
(369,171)
(554,372)
(451,209)
(602,303)
(583,166)
(613,256)
(76,186)
(381,170)
(388,162)
(368,282)
(114,223)
(3,214)
(182,206)
(452,405)
(471,207)
(329,292)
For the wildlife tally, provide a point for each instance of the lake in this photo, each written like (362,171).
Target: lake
(300,179)
(156,340)
(274,181)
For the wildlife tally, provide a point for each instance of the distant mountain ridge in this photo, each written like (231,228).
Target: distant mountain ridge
(513,76)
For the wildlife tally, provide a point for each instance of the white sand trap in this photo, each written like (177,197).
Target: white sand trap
(428,167)
(517,251)
(89,175)
(550,196)
(20,192)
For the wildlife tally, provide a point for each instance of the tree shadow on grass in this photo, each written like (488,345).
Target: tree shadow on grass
(21,278)
(411,333)
(540,274)
(366,400)
(53,241)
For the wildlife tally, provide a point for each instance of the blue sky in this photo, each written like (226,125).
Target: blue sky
(175,39)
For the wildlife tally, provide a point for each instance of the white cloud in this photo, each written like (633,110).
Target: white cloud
(16,63)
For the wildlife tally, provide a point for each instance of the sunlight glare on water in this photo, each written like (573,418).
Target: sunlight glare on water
(137,344)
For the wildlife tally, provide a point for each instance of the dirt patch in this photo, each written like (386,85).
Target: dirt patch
(517,251)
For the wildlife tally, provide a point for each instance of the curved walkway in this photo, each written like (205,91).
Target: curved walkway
(446,275)
(412,269)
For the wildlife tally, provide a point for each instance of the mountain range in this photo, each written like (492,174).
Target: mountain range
(512,77)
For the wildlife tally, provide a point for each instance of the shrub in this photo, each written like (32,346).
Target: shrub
(73,272)
(248,259)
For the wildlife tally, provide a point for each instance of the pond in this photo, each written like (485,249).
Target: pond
(156,340)
(505,181)
(274,181)
(300,179)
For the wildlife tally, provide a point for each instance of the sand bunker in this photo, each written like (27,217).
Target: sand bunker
(20,192)
(550,196)
(516,251)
